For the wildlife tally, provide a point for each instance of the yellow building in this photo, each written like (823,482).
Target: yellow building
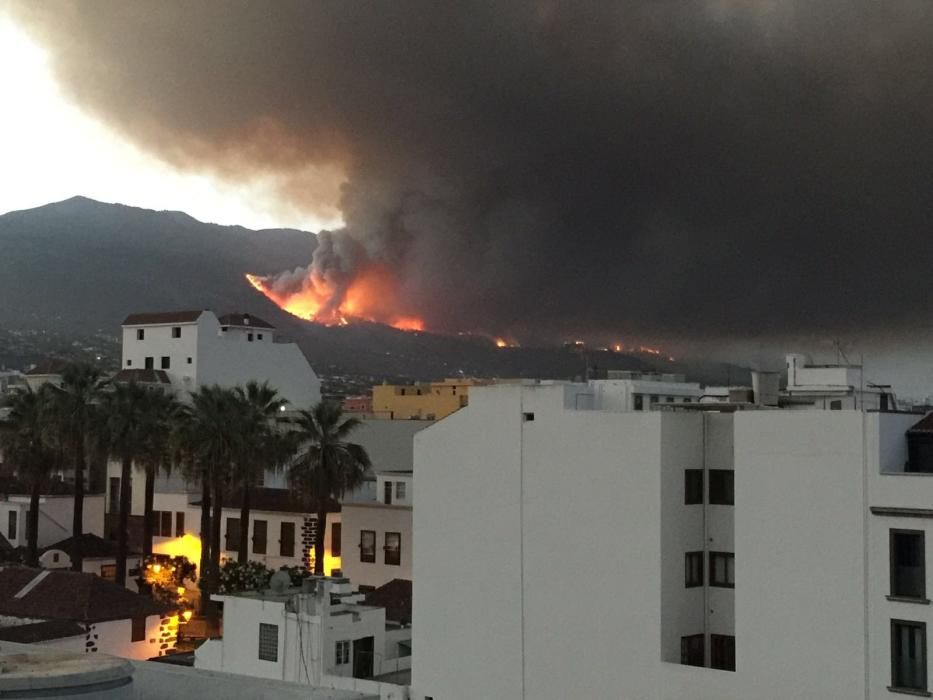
(422,401)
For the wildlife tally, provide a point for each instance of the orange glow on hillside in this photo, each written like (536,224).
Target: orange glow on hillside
(371,296)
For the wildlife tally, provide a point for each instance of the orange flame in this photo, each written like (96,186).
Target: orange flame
(370,297)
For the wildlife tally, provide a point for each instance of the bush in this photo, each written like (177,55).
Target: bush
(236,577)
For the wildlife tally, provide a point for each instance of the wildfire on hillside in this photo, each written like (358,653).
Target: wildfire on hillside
(370,296)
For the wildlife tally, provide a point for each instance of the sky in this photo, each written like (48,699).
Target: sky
(51,150)
(717,171)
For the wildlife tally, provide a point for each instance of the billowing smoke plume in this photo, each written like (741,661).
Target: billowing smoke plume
(715,166)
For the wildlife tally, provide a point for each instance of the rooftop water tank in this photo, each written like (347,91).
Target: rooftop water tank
(64,675)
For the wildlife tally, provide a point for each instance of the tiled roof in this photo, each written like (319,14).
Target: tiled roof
(69,595)
(49,366)
(244,321)
(91,546)
(925,425)
(395,597)
(269,499)
(162,317)
(142,376)
(41,631)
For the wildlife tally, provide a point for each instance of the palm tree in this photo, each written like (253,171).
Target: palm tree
(74,404)
(162,412)
(127,422)
(261,445)
(25,442)
(327,465)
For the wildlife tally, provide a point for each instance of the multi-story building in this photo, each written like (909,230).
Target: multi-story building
(640,391)
(55,517)
(699,552)
(422,401)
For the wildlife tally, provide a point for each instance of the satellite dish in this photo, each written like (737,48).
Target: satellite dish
(280,582)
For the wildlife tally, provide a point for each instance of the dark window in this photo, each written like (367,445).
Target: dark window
(342,653)
(693,486)
(166,363)
(907,564)
(722,487)
(387,491)
(692,651)
(28,527)
(335,534)
(693,575)
(393,548)
(287,540)
(150,363)
(835,405)
(268,642)
(639,402)
(11,525)
(259,336)
(189,360)
(140,334)
(233,535)
(919,452)
(669,399)
(909,655)
(166,529)
(527,417)
(722,569)
(129,363)
(114,494)
(139,629)
(368,546)
(108,572)
(260,527)
(722,652)
(249,337)
(179,524)
(654,399)
(176,331)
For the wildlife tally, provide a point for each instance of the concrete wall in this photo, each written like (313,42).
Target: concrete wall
(380,519)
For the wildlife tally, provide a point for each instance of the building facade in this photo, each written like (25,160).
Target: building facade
(673,554)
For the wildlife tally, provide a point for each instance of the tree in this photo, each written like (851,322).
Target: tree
(261,445)
(25,442)
(127,423)
(327,465)
(161,415)
(74,405)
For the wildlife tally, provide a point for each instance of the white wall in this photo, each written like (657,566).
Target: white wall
(380,519)
(115,637)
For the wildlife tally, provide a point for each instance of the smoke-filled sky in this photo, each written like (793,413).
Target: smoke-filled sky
(708,168)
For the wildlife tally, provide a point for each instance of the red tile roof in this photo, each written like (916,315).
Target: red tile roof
(142,376)
(92,546)
(70,595)
(244,321)
(152,319)
(923,426)
(271,500)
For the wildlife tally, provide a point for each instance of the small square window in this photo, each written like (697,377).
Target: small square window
(722,487)
(722,569)
(259,336)
(176,332)
(268,642)
(129,363)
(399,490)
(368,546)
(342,653)
(166,363)
(693,486)
(639,402)
(249,337)
(693,569)
(140,334)
(722,652)
(150,363)
(189,360)
(528,417)
(692,650)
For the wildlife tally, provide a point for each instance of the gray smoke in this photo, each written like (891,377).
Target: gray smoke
(538,168)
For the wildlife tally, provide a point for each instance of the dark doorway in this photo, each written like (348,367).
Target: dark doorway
(363,657)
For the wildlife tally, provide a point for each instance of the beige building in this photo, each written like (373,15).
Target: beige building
(422,401)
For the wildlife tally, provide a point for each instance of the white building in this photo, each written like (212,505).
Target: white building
(638,391)
(55,517)
(195,348)
(98,556)
(787,545)
(321,635)
(83,613)
(832,387)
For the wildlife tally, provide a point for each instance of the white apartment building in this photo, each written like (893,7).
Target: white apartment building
(625,390)
(196,348)
(321,634)
(834,387)
(645,555)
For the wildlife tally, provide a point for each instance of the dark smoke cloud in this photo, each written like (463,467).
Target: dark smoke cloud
(706,167)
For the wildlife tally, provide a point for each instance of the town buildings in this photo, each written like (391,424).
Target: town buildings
(56,512)
(710,552)
(422,401)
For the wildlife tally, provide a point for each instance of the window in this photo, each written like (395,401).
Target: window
(150,363)
(693,576)
(140,334)
(908,655)
(722,487)
(179,524)
(835,405)
(907,564)
(692,651)
(343,653)
(233,535)
(11,525)
(722,569)
(639,402)
(527,417)
(260,527)
(669,399)
(166,363)
(335,534)
(189,360)
(393,548)
(654,399)
(368,546)
(28,527)
(55,557)
(108,572)
(387,492)
(399,490)
(166,529)
(249,337)
(139,629)
(693,486)
(268,642)
(114,494)
(722,652)
(259,336)
(287,540)
(129,363)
